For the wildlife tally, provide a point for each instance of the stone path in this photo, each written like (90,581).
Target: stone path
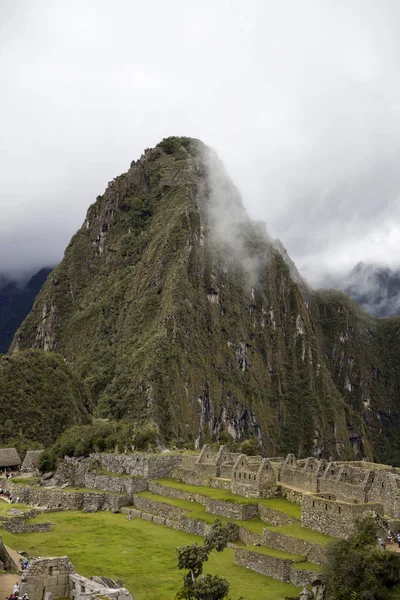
(8,580)
(7,583)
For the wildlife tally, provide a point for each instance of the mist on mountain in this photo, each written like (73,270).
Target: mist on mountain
(376,288)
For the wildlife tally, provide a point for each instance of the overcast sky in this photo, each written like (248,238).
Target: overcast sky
(301,99)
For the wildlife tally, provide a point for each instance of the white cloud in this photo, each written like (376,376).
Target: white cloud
(300,99)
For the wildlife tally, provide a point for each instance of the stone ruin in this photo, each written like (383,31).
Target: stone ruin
(333,494)
(55,578)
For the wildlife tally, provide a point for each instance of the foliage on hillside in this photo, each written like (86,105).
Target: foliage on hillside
(363,354)
(357,568)
(168,323)
(99,436)
(40,397)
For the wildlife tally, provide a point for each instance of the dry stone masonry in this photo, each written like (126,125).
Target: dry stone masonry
(56,576)
(332,496)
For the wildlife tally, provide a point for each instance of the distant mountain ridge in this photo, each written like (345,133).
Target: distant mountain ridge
(375,288)
(16,300)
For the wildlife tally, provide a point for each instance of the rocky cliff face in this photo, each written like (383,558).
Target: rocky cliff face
(16,301)
(174,306)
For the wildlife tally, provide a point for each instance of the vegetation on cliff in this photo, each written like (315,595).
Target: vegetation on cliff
(40,396)
(175,308)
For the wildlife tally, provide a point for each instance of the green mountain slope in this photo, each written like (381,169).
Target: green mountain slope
(174,306)
(40,397)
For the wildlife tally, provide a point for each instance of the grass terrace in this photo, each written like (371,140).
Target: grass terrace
(140,553)
(297,558)
(302,533)
(198,511)
(5,507)
(280,504)
(308,566)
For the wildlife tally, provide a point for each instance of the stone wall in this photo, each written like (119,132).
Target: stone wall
(59,498)
(180,522)
(57,576)
(274,517)
(46,575)
(73,471)
(304,474)
(334,518)
(249,538)
(385,489)
(311,551)
(170,492)
(160,509)
(118,484)
(292,495)
(6,562)
(277,568)
(261,563)
(20,525)
(231,510)
(82,588)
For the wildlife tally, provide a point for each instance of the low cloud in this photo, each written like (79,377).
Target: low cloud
(300,100)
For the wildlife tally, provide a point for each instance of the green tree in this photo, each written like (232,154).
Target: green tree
(358,568)
(197,586)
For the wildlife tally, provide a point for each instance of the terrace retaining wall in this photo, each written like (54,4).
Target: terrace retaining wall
(59,498)
(310,550)
(231,510)
(20,525)
(160,509)
(277,568)
(274,517)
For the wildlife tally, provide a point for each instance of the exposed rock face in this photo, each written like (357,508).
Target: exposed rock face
(16,301)
(175,306)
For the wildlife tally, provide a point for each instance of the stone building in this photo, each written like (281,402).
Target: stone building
(333,517)
(57,576)
(252,475)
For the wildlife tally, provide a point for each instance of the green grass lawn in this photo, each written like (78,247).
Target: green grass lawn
(139,552)
(5,507)
(280,504)
(275,553)
(306,565)
(24,480)
(206,491)
(302,533)
(198,511)
(284,506)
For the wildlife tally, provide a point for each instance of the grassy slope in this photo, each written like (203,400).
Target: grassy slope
(198,511)
(139,552)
